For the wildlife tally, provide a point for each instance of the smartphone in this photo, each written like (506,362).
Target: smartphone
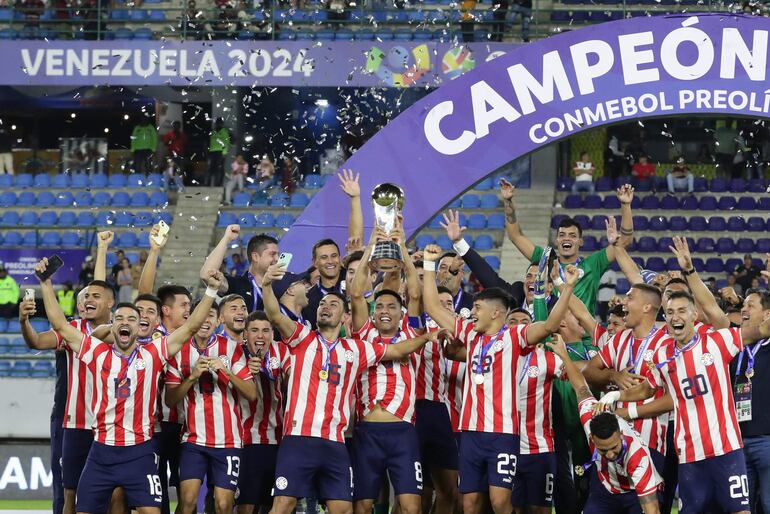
(54,263)
(284,260)
(163,229)
(29,294)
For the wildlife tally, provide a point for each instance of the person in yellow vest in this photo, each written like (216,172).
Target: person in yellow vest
(9,294)
(467,19)
(66,297)
(219,146)
(144,142)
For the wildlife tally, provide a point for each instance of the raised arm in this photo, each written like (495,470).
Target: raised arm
(625,196)
(576,380)
(217,255)
(103,241)
(283,323)
(402,350)
(700,291)
(536,332)
(350,186)
(147,278)
(180,336)
(512,228)
(33,339)
(358,304)
(72,336)
(626,263)
(431,303)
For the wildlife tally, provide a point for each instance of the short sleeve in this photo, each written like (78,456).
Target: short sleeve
(87,348)
(537,254)
(369,354)
(607,353)
(173,374)
(161,345)
(463,328)
(586,410)
(519,334)
(239,365)
(300,333)
(558,367)
(597,262)
(642,473)
(364,331)
(729,340)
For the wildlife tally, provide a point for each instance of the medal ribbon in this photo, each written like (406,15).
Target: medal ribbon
(458,299)
(256,289)
(265,366)
(751,355)
(678,352)
(525,368)
(329,349)
(583,356)
(642,348)
(205,351)
(562,275)
(485,349)
(128,361)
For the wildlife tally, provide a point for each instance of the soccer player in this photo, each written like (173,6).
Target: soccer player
(149,307)
(262,418)
(385,440)
(291,292)
(325,369)
(125,385)
(232,314)
(623,360)
(626,478)
(490,441)
(209,376)
(693,366)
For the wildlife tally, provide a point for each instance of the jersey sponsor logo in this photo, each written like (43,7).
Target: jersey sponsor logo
(707,359)
(281,483)
(350,356)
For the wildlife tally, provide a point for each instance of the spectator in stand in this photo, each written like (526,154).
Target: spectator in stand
(584,175)
(524,9)
(176,144)
(680,178)
(642,171)
(219,145)
(499,14)
(239,266)
(467,20)
(172,176)
(265,174)
(290,171)
(746,273)
(136,271)
(119,256)
(614,158)
(725,139)
(32,10)
(238,171)
(9,294)
(66,298)
(6,152)
(144,141)
(125,281)
(191,26)
(733,284)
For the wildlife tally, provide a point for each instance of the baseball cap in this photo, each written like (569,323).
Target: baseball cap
(281,286)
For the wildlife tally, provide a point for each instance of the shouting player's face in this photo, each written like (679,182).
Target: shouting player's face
(327,260)
(330,311)
(234,316)
(208,326)
(149,317)
(615,324)
(486,314)
(529,283)
(387,314)
(680,318)
(125,327)
(634,305)
(81,306)
(609,448)
(259,335)
(568,242)
(97,302)
(175,314)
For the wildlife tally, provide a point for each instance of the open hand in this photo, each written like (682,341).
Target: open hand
(349,183)
(611,226)
(682,252)
(452,226)
(626,194)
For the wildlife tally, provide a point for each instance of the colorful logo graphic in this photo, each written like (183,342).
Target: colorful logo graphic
(398,68)
(457,61)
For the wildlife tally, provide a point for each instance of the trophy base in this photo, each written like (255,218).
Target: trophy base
(386,257)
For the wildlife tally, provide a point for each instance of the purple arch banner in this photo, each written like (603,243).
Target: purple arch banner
(545,91)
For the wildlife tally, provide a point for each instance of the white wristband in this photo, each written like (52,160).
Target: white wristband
(429,265)
(211,292)
(558,282)
(632,412)
(461,247)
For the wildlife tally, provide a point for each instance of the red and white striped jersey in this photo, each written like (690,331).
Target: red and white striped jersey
(263,418)
(78,411)
(124,389)
(212,406)
(316,406)
(633,470)
(600,336)
(455,379)
(431,382)
(534,376)
(165,413)
(625,350)
(698,378)
(491,405)
(389,384)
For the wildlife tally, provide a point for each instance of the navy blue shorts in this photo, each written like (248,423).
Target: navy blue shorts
(718,481)
(310,465)
(57,433)
(257,474)
(601,501)
(134,468)
(76,444)
(380,448)
(487,459)
(222,465)
(169,441)
(534,480)
(438,448)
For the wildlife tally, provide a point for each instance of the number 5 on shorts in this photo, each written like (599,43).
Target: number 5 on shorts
(739,486)
(155,489)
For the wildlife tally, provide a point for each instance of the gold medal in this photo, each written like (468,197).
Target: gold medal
(749,373)
(579,471)
(323,374)
(651,365)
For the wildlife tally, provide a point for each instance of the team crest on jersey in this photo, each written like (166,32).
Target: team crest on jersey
(707,359)
(497,346)
(140,364)
(647,355)
(350,356)
(533,372)
(430,323)
(225,361)
(274,363)
(465,312)
(281,483)
(592,353)
(157,334)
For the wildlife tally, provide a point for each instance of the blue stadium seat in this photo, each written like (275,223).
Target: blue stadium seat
(143,219)
(656,264)
(247,219)
(679,223)
(573,202)
(79,181)
(29,239)
(10,219)
(700,185)
(707,203)
(60,181)
(763,245)
(736,224)
(279,199)
(689,203)
(611,202)
(112,260)
(105,219)
(85,219)
(477,221)
(640,222)
(284,220)
(21,369)
(744,245)
(299,200)
(165,216)
(50,239)
(592,202)
(265,220)
(42,180)
(669,202)
(155,180)
(70,239)
(493,261)
(485,184)
(241,199)
(718,185)
(26,199)
(650,202)
(101,199)
(8,198)
(444,242)
(714,265)
(123,219)
(658,223)
(135,180)
(143,34)
(598,222)
(424,240)
(590,244)
(664,243)
(622,286)
(313,181)
(3,327)
(116,181)
(604,184)
(144,240)
(697,223)
(48,218)
(28,219)
(24,180)
(471,201)
(99,181)
(564,184)
(490,201)
(764,204)
(737,185)
(64,199)
(746,203)
(484,243)
(705,245)
(727,203)
(646,244)
(717,224)
(226,218)
(67,219)
(45,199)
(756,185)
(127,240)
(457,203)
(582,220)
(496,220)
(159,199)
(755,224)
(120,199)
(725,245)
(140,199)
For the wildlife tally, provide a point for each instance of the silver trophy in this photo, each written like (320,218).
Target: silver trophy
(388,201)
